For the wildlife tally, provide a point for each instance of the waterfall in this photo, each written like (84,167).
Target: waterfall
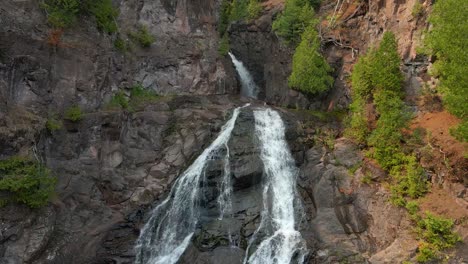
(279,241)
(167,233)
(249,88)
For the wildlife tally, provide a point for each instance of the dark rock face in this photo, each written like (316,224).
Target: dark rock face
(268,60)
(111,166)
(86,69)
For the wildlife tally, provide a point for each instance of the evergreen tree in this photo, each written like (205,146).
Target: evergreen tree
(310,71)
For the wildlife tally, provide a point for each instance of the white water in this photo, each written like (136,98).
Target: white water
(249,88)
(167,234)
(279,241)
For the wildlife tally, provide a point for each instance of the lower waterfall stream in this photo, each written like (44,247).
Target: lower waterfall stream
(172,224)
(280,242)
(167,233)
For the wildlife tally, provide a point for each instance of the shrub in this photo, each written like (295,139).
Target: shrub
(74,114)
(26,181)
(296,17)
(53,124)
(437,235)
(239,10)
(121,44)
(357,123)
(223,48)
(104,13)
(409,180)
(224,16)
(61,13)
(140,96)
(310,71)
(437,231)
(254,9)
(119,100)
(143,37)
(64,13)
(412,207)
(460,132)
(393,117)
(426,252)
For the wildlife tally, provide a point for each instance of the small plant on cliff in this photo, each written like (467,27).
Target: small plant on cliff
(61,13)
(437,234)
(223,48)
(142,37)
(224,14)
(119,100)
(74,114)
(53,124)
(121,44)
(254,9)
(26,182)
(140,96)
(310,71)
(104,13)
(64,13)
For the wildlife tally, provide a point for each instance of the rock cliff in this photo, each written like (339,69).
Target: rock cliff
(114,166)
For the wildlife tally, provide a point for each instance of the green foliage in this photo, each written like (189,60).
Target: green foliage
(310,71)
(104,13)
(74,114)
(254,9)
(53,124)
(119,100)
(437,235)
(296,17)
(411,181)
(142,37)
(26,182)
(121,45)
(224,17)
(412,207)
(437,231)
(377,74)
(357,123)
(223,48)
(64,13)
(418,10)
(426,252)
(387,136)
(61,13)
(239,10)
(447,40)
(460,132)
(140,96)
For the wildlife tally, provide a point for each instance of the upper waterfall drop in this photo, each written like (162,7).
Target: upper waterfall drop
(277,239)
(170,228)
(249,88)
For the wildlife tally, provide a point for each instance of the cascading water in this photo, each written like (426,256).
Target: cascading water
(167,234)
(249,88)
(276,239)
